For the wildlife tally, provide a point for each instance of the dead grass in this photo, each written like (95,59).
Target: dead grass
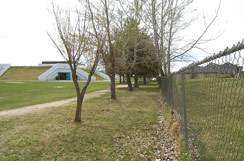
(171,122)
(24,72)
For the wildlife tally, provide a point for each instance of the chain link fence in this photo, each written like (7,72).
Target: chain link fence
(208,99)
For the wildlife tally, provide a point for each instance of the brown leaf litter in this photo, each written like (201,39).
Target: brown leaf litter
(153,142)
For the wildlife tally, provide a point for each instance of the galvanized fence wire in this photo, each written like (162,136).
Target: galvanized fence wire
(208,97)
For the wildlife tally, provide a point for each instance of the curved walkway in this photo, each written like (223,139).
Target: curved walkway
(34,108)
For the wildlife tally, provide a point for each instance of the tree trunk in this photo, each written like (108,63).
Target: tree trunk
(136,83)
(78,94)
(120,79)
(80,102)
(78,109)
(129,82)
(123,78)
(145,80)
(81,95)
(112,87)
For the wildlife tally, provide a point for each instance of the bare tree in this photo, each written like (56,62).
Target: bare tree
(166,20)
(109,55)
(72,42)
(103,10)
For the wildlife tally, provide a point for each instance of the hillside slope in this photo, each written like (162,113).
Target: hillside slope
(24,72)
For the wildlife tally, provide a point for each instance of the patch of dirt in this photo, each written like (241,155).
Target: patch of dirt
(170,129)
(35,108)
(173,126)
(14,82)
(59,87)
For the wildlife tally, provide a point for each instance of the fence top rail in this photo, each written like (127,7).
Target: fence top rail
(227,51)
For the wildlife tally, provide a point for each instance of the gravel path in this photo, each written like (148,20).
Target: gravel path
(35,108)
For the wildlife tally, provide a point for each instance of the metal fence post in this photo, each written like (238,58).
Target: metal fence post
(170,92)
(184,108)
(192,76)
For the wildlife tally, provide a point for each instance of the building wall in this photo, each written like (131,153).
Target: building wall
(101,74)
(4,68)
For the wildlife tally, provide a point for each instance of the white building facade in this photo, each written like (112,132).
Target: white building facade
(63,72)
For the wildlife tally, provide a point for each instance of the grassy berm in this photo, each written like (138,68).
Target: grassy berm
(24,72)
(111,130)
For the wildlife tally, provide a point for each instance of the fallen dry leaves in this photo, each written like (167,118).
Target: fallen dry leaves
(152,142)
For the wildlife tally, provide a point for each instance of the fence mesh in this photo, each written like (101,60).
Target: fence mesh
(208,97)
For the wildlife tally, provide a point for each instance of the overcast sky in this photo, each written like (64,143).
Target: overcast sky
(24,25)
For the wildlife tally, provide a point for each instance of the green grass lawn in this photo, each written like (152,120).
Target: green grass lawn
(19,94)
(110,130)
(215,116)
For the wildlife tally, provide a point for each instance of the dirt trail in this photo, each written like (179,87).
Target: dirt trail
(34,108)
